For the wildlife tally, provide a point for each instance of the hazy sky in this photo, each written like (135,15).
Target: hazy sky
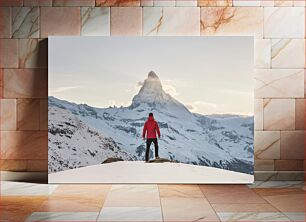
(207,74)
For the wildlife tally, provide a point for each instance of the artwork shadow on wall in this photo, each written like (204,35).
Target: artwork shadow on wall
(199,91)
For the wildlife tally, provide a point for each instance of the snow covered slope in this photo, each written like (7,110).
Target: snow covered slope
(223,141)
(141,172)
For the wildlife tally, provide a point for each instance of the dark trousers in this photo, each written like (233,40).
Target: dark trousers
(149,141)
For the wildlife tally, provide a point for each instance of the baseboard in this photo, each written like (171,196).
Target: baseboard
(37,177)
(279,175)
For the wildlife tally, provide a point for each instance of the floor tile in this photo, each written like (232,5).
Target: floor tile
(18,208)
(63,216)
(86,190)
(187,209)
(263,207)
(285,200)
(130,214)
(71,204)
(230,194)
(277,184)
(26,189)
(133,196)
(190,191)
(268,216)
(296,216)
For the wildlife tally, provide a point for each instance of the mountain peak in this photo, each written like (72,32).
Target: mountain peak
(152,94)
(152,75)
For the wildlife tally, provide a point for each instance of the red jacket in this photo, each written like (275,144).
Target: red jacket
(150,128)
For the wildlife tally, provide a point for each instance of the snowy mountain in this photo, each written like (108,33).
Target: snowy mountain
(80,135)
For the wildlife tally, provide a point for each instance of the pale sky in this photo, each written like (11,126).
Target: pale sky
(207,74)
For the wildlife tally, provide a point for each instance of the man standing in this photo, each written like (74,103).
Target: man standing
(150,129)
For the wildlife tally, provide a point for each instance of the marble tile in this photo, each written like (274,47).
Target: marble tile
(305,83)
(22,144)
(272,83)
(188,191)
(295,216)
(267,144)
(43,114)
(94,191)
(146,3)
(263,207)
(211,3)
(8,114)
(126,21)
(95,21)
(5,3)
(13,165)
(267,3)
(133,196)
(289,165)
(5,22)
(263,165)
(284,3)
(26,189)
(253,216)
(25,22)
(299,3)
(292,145)
(186,3)
(37,165)
(300,114)
(73,2)
(187,209)
(277,184)
(278,22)
(227,21)
(52,16)
(8,53)
(279,114)
(71,204)
(163,3)
(25,83)
(122,3)
(283,50)
(285,200)
(279,176)
(1,84)
(18,208)
(130,214)
(37,2)
(230,194)
(28,114)
(258,114)
(171,21)
(63,216)
(262,53)
(33,53)
(246,3)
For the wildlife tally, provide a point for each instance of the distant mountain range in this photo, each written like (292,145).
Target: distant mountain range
(81,135)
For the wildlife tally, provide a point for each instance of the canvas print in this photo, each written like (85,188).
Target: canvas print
(150,110)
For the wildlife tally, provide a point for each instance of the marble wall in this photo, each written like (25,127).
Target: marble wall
(278,27)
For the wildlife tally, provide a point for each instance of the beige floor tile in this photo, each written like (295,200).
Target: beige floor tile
(264,207)
(230,194)
(189,191)
(71,204)
(133,196)
(187,209)
(130,214)
(286,199)
(90,190)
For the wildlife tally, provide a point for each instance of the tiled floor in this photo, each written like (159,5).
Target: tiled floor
(270,201)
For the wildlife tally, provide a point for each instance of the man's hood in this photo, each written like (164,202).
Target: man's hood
(150,118)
